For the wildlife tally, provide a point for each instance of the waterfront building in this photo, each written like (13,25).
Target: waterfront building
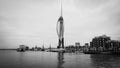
(70,48)
(104,45)
(99,41)
(22,48)
(113,45)
(85,47)
(36,48)
(26,48)
(77,46)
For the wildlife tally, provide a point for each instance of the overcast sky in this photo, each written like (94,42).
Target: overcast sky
(33,22)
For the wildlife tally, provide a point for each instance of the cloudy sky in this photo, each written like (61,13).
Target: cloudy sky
(33,22)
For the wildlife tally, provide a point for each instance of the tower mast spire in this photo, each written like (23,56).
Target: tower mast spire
(61,8)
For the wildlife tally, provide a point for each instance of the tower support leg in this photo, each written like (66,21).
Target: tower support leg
(61,43)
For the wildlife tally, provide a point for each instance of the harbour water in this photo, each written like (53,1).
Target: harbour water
(37,59)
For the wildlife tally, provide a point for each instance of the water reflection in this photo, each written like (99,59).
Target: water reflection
(105,61)
(60,60)
(13,59)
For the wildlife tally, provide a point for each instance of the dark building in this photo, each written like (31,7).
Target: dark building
(22,48)
(99,41)
(103,44)
(113,45)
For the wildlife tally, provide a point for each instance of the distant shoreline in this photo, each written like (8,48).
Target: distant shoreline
(8,49)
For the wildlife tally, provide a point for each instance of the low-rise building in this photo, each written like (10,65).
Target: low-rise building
(23,48)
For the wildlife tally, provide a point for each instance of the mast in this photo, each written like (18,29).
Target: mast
(61,8)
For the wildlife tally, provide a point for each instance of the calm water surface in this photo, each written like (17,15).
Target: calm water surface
(30,59)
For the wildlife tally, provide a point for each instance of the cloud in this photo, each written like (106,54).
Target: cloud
(33,22)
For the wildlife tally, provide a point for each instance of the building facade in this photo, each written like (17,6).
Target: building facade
(99,41)
(113,45)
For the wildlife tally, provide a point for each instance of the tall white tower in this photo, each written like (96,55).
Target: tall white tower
(60,29)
